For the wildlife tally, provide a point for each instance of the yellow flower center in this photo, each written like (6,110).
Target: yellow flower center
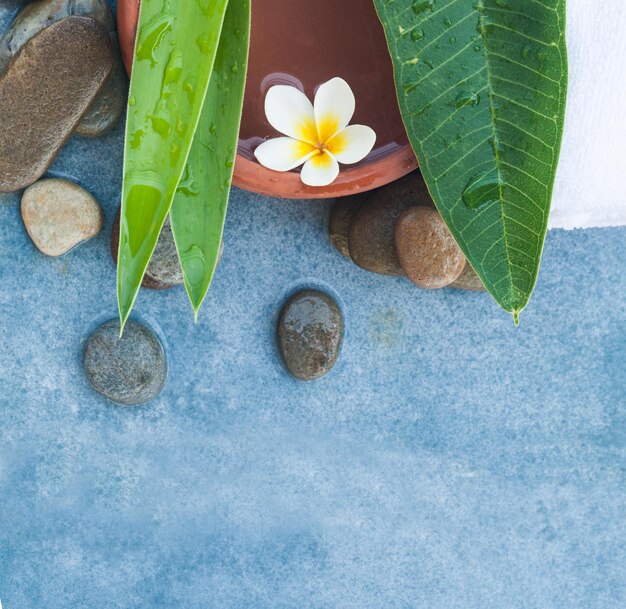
(326,138)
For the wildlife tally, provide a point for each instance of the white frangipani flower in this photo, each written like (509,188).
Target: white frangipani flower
(316,135)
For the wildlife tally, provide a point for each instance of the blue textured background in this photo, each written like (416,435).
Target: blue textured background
(448,461)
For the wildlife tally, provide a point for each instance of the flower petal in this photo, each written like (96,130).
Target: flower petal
(334,107)
(289,111)
(352,144)
(320,170)
(283,153)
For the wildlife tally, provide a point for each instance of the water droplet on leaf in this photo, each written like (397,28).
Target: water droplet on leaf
(467,98)
(482,190)
(423,5)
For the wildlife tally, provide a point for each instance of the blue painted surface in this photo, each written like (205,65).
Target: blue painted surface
(448,461)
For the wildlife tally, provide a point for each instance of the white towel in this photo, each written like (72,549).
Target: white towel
(590,187)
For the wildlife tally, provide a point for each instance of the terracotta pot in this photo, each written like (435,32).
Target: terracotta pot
(306,43)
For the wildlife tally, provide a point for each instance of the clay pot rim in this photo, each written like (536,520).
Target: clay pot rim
(253,177)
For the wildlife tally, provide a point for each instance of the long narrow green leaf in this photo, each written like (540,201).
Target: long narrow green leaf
(199,209)
(482,86)
(174,55)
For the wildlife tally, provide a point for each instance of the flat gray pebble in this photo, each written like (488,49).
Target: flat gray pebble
(163,270)
(130,370)
(310,332)
(109,105)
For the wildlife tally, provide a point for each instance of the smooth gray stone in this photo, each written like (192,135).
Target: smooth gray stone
(164,266)
(130,370)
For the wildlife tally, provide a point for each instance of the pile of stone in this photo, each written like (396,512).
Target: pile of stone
(396,230)
(60,72)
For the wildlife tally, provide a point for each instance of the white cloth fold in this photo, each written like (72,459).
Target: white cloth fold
(590,188)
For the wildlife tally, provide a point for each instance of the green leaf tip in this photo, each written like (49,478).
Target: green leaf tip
(124,316)
(516,318)
(174,58)
(482,90)
(199,209)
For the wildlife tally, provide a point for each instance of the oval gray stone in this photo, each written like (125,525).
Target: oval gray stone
(45,92)
(310,332)
(108,106)
(130,370)
(37,16)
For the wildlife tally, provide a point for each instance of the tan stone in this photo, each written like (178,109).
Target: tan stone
(59,215)
(426,248)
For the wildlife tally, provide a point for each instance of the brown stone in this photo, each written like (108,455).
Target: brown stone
(58,215)
(426,248)
(371,236)
(341,217)
(45,92)
(468,280)
(108,106)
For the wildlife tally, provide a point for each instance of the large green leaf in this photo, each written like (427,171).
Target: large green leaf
(174,55)
(482,87)
(199,207)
